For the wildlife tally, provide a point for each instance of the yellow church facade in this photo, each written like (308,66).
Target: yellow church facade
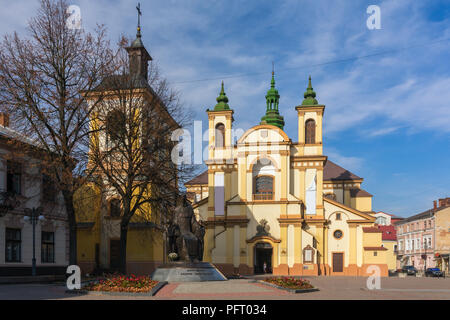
(272,205)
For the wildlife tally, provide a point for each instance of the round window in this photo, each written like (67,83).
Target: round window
(337,234)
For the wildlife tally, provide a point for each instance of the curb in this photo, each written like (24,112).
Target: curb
(32,279)
(287,289)
(152,292)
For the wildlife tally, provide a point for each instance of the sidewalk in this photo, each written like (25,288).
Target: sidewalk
(32,279)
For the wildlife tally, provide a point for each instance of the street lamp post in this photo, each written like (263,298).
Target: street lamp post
(33,216)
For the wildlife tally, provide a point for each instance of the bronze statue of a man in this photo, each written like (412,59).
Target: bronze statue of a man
(186,233)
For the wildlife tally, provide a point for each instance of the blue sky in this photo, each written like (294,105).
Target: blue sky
(387,117)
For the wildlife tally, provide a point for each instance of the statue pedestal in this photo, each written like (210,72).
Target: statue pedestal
(187,272)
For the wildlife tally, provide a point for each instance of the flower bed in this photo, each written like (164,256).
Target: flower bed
(121,283)
(289,282)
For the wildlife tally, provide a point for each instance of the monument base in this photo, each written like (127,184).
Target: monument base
(187,272)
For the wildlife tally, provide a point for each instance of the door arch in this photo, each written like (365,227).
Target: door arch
(262,253)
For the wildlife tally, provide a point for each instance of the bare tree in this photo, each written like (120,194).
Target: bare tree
(132,146)
(41,81)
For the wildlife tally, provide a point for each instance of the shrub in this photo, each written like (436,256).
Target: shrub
(290,282)
(122,283)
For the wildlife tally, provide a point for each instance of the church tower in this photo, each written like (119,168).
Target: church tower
(272,115)
(310,149)
(220,156)
(138,55)
(310,114)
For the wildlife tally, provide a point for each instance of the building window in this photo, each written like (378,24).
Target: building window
(338,216)
(308,254)
(220,135)
(114,208)
(263,188)
(48,247)
(310,131)
(14,177)
(115,127)
(381,221)
(48,189)
(13,244)
(375,253)
(338,234)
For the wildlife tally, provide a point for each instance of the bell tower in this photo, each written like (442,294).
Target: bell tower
(310,115)
(310,152)
(272,115)
(137,54)
(220,121)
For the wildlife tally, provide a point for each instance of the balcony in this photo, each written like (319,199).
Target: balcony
(263,196)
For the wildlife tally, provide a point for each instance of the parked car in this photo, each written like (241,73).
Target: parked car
(434,272)
(409,270)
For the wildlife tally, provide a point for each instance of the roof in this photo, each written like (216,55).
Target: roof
(331,171)
(375,248)
(423,215)
(202,178)
(371,230)
(9,133)
(359,193)
(393,217)
(419,216)
(388,232)
(122,81)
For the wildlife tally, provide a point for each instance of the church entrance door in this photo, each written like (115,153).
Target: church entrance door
(338,262)
(263,258)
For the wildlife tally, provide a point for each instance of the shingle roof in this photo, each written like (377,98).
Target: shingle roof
(332,171)
(202,178)
(359,193)
(124,81)
(422,215)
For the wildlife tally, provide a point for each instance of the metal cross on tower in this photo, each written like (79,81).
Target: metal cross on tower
(138,8)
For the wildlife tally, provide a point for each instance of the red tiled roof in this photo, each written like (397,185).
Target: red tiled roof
(388,232)
(371,230)
(375,248)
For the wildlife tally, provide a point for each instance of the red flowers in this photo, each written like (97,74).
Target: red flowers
(123,283)
(290,282)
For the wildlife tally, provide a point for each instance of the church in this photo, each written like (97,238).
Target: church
(273,205)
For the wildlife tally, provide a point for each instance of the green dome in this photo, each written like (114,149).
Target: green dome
(272,115)
(310,96)
(222,101)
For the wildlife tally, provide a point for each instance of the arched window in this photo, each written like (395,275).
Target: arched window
(115,126)
(220,135)
(114,208)
(263,188)
(310,131)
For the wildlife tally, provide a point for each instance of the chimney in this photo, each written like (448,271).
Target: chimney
(435,204)
(444,202)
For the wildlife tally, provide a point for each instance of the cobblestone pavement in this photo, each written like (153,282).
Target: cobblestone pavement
(246,289)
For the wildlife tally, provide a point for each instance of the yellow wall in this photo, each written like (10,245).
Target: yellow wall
(391,257)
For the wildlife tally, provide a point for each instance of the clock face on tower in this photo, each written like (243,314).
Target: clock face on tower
(337,234)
